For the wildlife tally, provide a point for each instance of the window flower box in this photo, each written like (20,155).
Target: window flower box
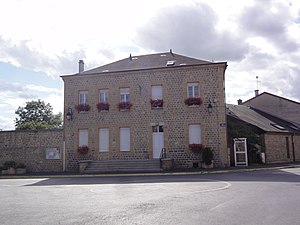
(124,106)
(197,148)
(157,103)
(103,106)
(83,149)
(193,101)
(82,107)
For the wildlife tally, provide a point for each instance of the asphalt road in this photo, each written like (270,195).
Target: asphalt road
(265,198)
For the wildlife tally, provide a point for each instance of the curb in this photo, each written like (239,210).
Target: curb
(202,172)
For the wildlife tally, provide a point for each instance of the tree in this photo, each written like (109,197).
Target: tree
(37,115)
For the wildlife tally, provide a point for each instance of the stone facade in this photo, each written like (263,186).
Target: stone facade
(31,148)
(175,116)
(281,147)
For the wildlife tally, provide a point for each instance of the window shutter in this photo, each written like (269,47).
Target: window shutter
(83,137)
(195,134)
(103,140)
(124,139)
(157,92)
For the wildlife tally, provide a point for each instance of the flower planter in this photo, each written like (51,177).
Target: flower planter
(103,106)
(197,148)
(157,103)
(83,150)
(20,170)
(124,106)
(205,166)
(4,172)
(82,108)
(11,171)
(193,101)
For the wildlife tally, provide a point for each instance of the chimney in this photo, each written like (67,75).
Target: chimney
(81,65)
(256,92)
(240,102)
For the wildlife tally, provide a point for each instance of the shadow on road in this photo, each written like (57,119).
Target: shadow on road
(284,175)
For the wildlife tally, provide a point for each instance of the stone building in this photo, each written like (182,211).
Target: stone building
(278,140)
(133,108)
(275,105)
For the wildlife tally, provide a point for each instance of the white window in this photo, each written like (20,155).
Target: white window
(124,139)
(157,92)
(83,137)
(103,95)
(124,95)
(195,134)
(83,97)
(193,90)
(103,140)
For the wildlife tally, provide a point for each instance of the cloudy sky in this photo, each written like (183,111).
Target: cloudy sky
(41,40)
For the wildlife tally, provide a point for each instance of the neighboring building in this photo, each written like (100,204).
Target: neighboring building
(132,108)
(276,105)
(276,138)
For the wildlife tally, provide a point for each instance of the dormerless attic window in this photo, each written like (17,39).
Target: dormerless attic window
(170,63)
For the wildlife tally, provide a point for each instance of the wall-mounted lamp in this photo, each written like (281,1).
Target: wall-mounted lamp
(209,108)
(69,114)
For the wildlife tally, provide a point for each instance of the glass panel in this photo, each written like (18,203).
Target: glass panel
(196,91)
(103,96)
(161,129)
(190,91)
(154,129)
(83,97)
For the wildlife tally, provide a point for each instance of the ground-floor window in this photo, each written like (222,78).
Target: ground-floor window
(125,139)
(195,134)
(83,137)
(103,140)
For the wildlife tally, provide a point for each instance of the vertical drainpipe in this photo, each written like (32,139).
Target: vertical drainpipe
(64,156)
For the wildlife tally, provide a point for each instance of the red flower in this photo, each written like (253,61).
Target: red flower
(82,107)
(124,106)
(193,101)
(196,147)
(83,149)
(103,106)
(157,103)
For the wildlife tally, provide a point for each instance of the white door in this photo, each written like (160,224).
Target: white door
(240,152)
(158,140)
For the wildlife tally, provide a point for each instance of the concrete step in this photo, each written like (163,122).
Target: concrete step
(115,166)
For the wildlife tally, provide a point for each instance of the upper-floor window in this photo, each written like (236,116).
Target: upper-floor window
(124,104)
(193,95)
(83,105)
(83,97)
(103,95)
(124,95)
(103,100)
(157,96)
(195,142)
(193,90)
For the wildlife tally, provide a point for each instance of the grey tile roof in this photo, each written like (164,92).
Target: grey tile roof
(250,116)
(152,61)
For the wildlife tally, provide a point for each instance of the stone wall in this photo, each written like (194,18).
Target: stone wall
(31,149)
(279,147)
(175,115)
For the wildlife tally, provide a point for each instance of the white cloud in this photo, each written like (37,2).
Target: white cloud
(257,38)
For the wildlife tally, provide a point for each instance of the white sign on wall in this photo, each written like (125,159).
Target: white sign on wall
(52,153)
